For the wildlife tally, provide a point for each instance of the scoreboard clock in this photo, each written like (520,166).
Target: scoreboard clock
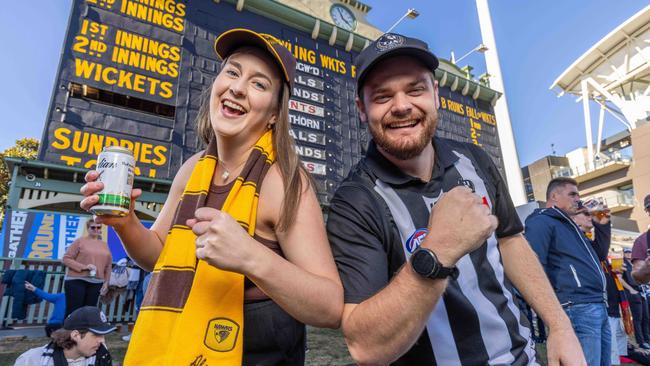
(343,17)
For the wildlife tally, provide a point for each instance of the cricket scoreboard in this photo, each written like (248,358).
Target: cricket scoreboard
(133,73)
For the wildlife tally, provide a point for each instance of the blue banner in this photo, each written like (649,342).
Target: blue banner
(47,235)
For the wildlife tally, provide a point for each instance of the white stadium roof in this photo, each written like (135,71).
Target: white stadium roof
(620,60)
(615,73)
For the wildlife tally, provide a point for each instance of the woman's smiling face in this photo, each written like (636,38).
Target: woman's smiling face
(245,94)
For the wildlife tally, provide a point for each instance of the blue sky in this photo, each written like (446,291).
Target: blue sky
(537,41)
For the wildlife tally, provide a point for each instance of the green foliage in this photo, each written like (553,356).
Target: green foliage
(25,148)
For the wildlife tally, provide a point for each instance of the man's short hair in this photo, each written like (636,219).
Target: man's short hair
(556,183)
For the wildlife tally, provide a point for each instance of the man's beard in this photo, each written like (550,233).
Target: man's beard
(402,148)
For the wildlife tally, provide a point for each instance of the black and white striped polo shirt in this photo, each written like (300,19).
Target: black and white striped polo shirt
(374,222)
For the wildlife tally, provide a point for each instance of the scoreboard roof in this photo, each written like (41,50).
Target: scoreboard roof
(621,52)
(449,74)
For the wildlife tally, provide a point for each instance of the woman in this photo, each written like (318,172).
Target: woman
(237,218)
(88,261)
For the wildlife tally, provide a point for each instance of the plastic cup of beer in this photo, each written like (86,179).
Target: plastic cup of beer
(617,264)
(596,208)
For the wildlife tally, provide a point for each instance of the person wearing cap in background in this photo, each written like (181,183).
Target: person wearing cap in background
(640,258)
(246,263)
(427,279)
(79,343)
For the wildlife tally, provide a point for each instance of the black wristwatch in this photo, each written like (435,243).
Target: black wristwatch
(426,264)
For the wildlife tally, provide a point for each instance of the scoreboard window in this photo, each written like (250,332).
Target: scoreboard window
(121,100)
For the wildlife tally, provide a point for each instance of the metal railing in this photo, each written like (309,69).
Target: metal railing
(587,168)
(625,198)
(117,311)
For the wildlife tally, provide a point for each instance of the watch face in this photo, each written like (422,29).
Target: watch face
(343,17)
(424,263)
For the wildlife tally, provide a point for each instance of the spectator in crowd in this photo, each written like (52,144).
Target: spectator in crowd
(640,258)
(426,269)
(617,305)
(638,302)
(80,342)
(89,262)
(56,319)
(573,267)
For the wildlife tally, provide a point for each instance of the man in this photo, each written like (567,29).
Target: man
(640,258)
(56,319)
(573,267)
(80,342)
(450,301)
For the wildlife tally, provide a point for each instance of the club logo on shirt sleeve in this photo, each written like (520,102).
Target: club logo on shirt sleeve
(415,240)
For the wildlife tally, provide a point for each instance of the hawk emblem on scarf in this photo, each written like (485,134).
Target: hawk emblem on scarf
(221,335)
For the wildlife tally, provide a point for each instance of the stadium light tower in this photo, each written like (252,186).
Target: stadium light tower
(481,48)
(411,13)
(504,126)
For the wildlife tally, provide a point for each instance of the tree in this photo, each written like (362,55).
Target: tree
(25,148)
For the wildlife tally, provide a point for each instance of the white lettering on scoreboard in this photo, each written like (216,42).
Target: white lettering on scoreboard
(309,69)
(311,152)
(310,81)
(306,136)
(303,121)
(308,95)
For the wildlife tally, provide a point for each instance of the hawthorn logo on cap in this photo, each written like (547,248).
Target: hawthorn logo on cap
(389,41)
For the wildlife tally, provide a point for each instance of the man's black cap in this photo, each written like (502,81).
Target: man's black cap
(88,318)
(389,45)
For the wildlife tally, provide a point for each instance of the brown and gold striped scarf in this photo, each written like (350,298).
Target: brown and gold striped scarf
(192,313)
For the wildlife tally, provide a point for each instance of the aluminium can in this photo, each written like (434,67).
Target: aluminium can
(116,166)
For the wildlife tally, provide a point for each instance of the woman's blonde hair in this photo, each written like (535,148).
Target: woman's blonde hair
(286,157)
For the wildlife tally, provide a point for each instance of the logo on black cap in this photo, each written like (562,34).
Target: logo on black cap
(389,41)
